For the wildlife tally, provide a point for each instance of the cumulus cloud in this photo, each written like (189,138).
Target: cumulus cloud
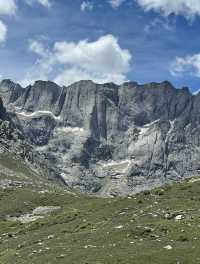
(3,32)
(75,74)
(116,3)
(188,64)
(7,7)
(104,55)
(188,8)
(102,61)
(86,6)
(43,65)
(37,47)
(45,3)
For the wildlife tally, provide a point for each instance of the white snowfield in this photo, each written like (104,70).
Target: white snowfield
(146,127)
(38,113)
(71,130)
(116,163)
(152,123)
(120,166)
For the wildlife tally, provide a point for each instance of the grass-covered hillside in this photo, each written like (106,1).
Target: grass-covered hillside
(15,172)
(158,227)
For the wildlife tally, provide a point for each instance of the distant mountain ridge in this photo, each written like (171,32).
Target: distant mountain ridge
(108,139)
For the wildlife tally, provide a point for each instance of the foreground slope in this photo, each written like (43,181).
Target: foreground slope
(43,222)
(108,139)
(159,226)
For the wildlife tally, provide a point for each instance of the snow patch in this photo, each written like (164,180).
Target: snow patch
(119,166)
(42,148)
(168,247)
(75,130)
(172,123)
(38,114)
(143,130)
(116,163)
(146,127)
(179,217)
(119,227)
(151,124)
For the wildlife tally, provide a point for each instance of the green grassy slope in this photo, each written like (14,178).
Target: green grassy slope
(103,231)
(15,171)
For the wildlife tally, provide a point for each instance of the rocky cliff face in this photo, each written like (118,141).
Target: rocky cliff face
(109,139)
(11,138)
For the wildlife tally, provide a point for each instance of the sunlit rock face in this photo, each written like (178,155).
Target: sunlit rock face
(108,139)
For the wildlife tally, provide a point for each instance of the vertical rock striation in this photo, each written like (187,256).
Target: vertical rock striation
(109,139)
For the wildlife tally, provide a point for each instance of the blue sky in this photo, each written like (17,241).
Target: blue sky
(103,40)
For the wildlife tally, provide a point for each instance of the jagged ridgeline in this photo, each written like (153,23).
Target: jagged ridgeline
(108,139)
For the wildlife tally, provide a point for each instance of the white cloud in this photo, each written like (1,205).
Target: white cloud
(189,64)
(37,47)
(75,74)
(160,23)
(103,55)
(43,65)
(86,6)
(3,32)
(102,61)
(7,7)
(187,8)
(45,3)
(116,3)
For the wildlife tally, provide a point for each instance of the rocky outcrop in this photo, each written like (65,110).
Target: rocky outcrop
(10,91)
(2,110)
(108,139)
(15,146)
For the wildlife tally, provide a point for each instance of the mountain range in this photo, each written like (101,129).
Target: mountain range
(103,139)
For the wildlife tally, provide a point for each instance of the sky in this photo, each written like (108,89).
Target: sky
(102,40)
